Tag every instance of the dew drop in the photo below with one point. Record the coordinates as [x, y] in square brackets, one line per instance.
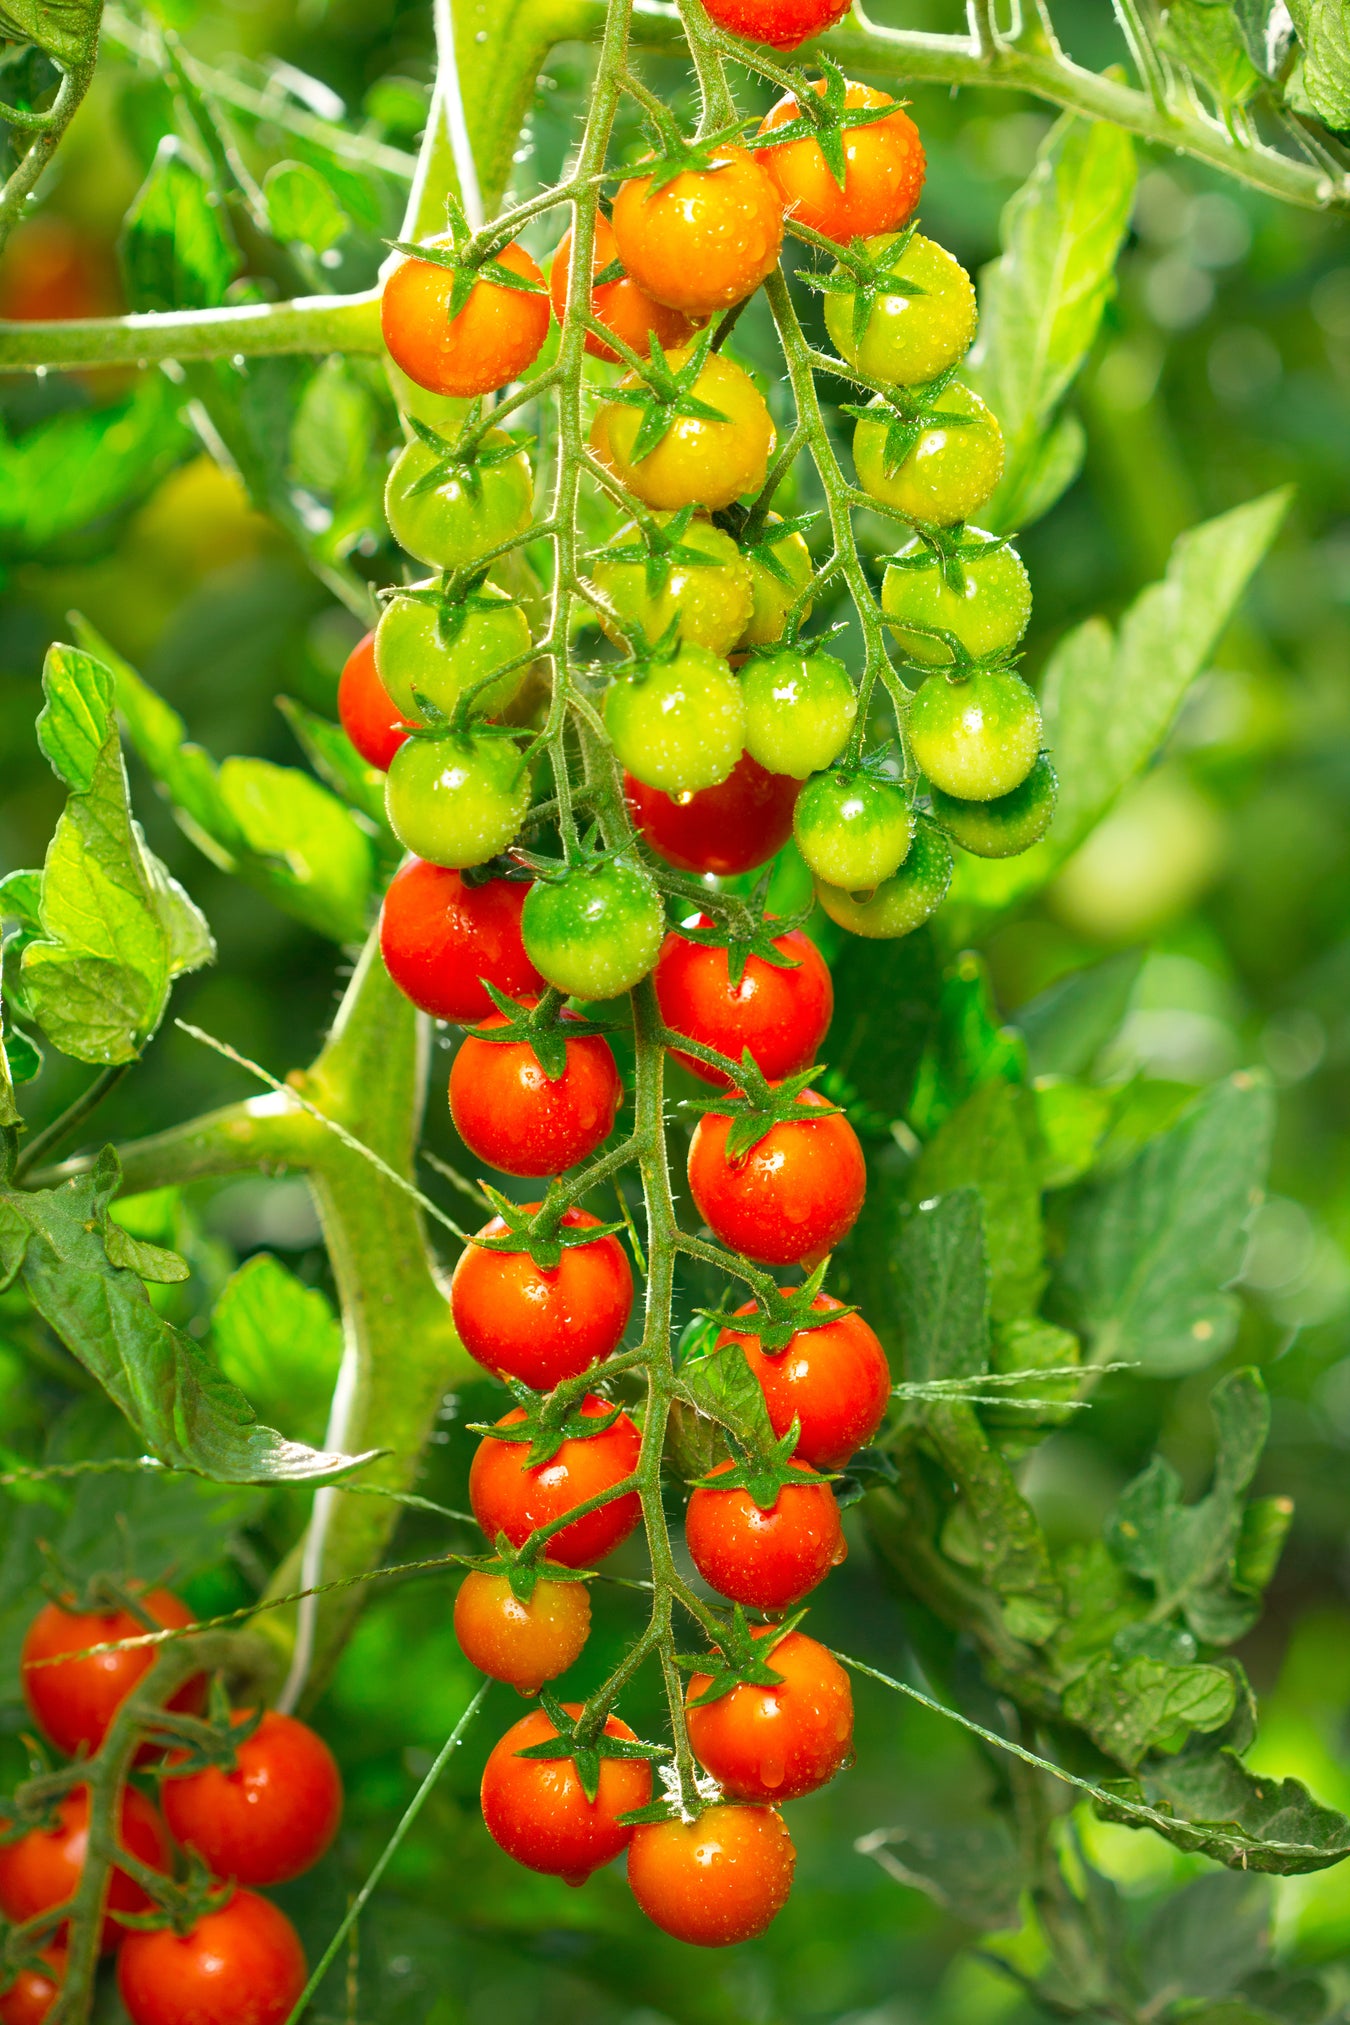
[771, 1772]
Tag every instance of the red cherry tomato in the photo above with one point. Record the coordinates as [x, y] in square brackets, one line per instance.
[31, 1995]
[523, 1644]
[834, 1381]
[243, 1965]
[540, 1324]
[42, 1869]
[741, 823]
[619, 305]
[780, 23]
[370, 717]
[765, 1560]
[781, 1015]
[776, 1743]
[494, 338]
[440, 937]
[883, 171]
[792, 1197]
[508, 1497]
[269, 1819]
[74, 1702]
[508, 1112]
[536, 1808]
[714, 1881]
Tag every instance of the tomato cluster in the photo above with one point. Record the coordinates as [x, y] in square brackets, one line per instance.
[249, 1811]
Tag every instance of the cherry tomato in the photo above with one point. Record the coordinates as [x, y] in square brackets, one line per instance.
[31, 1995]
[677, 725]
[883, 170]
[440, 938]
[780, 23]
[834, 1381]
[988, 614]
[457, 798]
[697, 462]
[621, 306]
[455, 522]
[42, 1869]
[55, 270]
[370, 717]
[730, 828]
[799, 709]
[704, 240]
[908, 339]
[508, 1112]
[242, 1965]
[853, 829]
[523, 1644]
[542, 1324]
[74, 1703]
[1007, 825]
[978, 735]
[904, 901]
[413, 653]
[710, 602]
[536, 1808]
[947, 475]
[597, 930]
[508, 1497]
[494, 338]
[780, 1014]
[775, 590]
[792, 1197]
[714, 1881]
[765, 1560]
[271, 1818]
[776, 1743]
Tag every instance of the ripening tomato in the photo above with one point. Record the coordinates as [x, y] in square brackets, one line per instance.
[883, 170]
[799, 709]
[494, 338]
[42, 1869]
[741, 823]
[508, 1112]
[240, 1965]
[976, 736]
[509, 1497]
[621, 306]
[1010, 823]
[780, 1013]
[948, 474]
[853, 828]
[74, 1702]
[780, 23]
[697, 462]
[440, 938]
[677, 724]
[765, 1560]
[776, 1743]
[461, 515]
[792, 1197]
[370, 717]
[422, 651]
[775, 585]
[903, 902]
[709, 601]
[523, 1644]
[457, 798]
[907, 339]
[595, 931]
[988, 614]
[834, 1381]
[714, 1881]
[542, 1324]
[31, 1995]
[536, 1808]
[704, 240]
[272, 1817]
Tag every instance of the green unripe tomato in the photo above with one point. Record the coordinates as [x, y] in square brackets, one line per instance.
[1007, 825]
[411, 652]
[799, 710]
[595, 932]
[853, 829]
[988, 615]
[457, 799]
[451, 525]
[771, 598]
[909, 339]
[948, 474]
[677, 725]
[711, 602]
[902, 903]
[976, 736]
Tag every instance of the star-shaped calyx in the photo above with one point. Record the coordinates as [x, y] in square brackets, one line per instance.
[758, 1105]
[740, 1659]
[951, 547]
[825, 117]
[454, 598]
[676, 153]
[660, 549]
[584, 1739]
[666, 394]
[780, 1313]
[544, 1235]
[867, 277]
[465, 458]
[524, 1567]
[550, 1419]
[765, 1471]
[905, 413]
[543, 1027]
[469, 257]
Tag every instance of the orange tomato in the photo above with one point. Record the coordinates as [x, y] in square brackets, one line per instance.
[706, 239]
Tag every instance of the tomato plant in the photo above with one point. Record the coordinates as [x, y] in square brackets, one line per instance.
[523, 1641]
[369, 715]
[774, 1740]
[832, 1381]
[778, 1007]
[715, 1881]
[470, 349]
[703, 238]
[513, 1496]
[512, 1112]
[74, 1700]
[625, 310]
[539, 1811]
[444, 941]
[883, 165]
[41, 1869]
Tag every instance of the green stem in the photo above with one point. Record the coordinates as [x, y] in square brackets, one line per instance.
[23, 179]
[74, 1115]
[315, 323]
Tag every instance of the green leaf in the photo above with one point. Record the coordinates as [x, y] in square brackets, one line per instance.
[1244, 1819]
[1071, 1119]
[1325, 80]
[1129, 1708]
[975, 1874]
[1029, 1344]
[1069, 1024]
[1208, 1938]
[83, 464]
[1207, 40]
[1151, 1252]
[66, 29]
[176, 248]
[997, 1531]
[149, 1262]
[722, 1386]
[990, 1144]
[885, 998]
[302, 208]
[972, 1046]
[941, 1285]
[333, 756]
[333, 444]
[279, 1342]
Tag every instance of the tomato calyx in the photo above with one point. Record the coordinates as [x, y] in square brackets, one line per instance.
[659, 551]
[864, 276]
[780, 1313]
[824, 117]
[584, 1739]
[176, 1904]
[759, 1105]
[202, 1741]
[764, 1471]
[551, 1418]
[467, 457]
[742, 1658]
[745, 934]
[912, 410]
[468, 260]
[539, 1024]
[523, 1568]
[666, 394]
[679, 153]
[951, 548]
[544, 1235]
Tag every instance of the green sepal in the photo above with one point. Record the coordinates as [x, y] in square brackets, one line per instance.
[825, 117]
[869, 1469]
[680, 155]
[741, 942]
[767, 1474]
[911, 411]
[551, 1418]
[866, 277]
[783, 1314]
[588, 1755]
[741, 1660]
[178, 1906]
[763, 1105]
[544, 1236]
[199, 1741]
[659, 548]
[465, 458]
[665, 395]
[540, 1027]
[524, 1567]
[762, 547]
[953, 547]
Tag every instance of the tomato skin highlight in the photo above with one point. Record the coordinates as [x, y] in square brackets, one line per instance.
[795, 1194]
[853, 829]
[507, 1497]
[704, 240]
[782, 24]
[948, 475]
[369, 715]
[776, 1743]
[621, 305]
[539, 1325]
[270, 1819]
[74, 1703]
[42, 1869]
[536, 1810]
[834, 1381]
[884, 170]
[781, 1015]
[457, 798]
[799, 709]
[495, 337]
[741, 823]
[31, 1995]
[440, 938]
[508, 1112]
[712, 602]
[714, 1881]
[988, 615]
[523, 1644]
[765, 1560]
[242, 1965]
